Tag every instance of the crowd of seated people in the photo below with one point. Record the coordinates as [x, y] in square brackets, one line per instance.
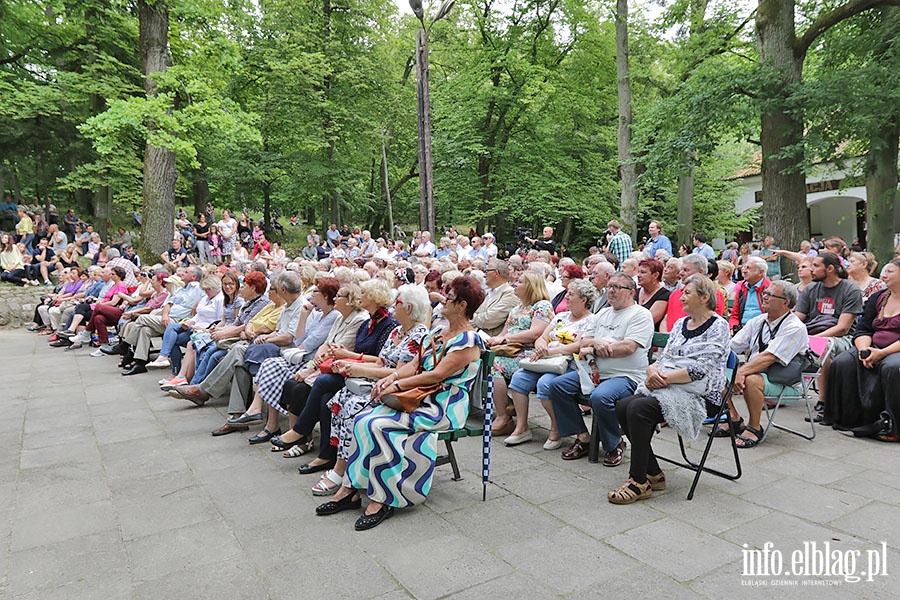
[343, 338]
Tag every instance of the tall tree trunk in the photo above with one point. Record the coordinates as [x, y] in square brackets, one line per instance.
[17, 187]
[201, 189]
[685, 226]
[331, 192]
[627, 173]
[159, 163]
[783, 177]
[102, 203]
[881, 189]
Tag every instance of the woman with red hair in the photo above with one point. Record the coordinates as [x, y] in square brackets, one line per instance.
[567, 275]
[650, 292]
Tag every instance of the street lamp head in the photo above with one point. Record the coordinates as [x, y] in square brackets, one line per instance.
[446, 7]
[416, 6]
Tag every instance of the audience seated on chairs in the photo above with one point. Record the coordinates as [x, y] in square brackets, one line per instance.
[618, 342]
[177, 306]
[651, 294]
[392, 453]
[413, 311]
[369, 338]
[776, 342]
[689, 372]
[864, 381]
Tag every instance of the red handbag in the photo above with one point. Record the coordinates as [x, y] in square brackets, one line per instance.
[325, 365]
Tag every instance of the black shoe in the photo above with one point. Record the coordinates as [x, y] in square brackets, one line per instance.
[264, 436]
[120, 348]
[60, 343]
[370, 521]
[335, 506]
[281, 444]
[311, 468]
[134, 370]
[245, 419]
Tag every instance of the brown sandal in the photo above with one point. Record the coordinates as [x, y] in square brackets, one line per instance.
[630, 491]
[578, 450]
[657, 482]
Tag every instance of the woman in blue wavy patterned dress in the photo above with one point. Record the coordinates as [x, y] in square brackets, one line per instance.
[393, 453]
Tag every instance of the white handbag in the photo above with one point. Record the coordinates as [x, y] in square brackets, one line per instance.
[557, 364]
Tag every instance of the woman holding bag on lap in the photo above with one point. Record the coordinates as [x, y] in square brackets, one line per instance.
[392, 452]
[559, 341]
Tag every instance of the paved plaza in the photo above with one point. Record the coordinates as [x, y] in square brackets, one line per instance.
[110, 489]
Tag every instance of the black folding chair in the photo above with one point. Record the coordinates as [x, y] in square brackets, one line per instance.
[700, 467]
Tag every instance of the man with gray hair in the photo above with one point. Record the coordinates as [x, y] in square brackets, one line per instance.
[499, 302]
[177, 307]
[748, 294]
[691, 264]
[114, 259]
[600, 274]
[671, 276]
[775, 338]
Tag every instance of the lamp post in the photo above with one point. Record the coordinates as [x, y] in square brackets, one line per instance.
[426, 176]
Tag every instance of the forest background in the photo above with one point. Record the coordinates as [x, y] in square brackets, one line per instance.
[309, 106]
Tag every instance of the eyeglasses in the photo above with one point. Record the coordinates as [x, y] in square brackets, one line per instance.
[617, 287]
[144, 274]
[769, 294]
[486, 271]
[344, 296]
[398, 302]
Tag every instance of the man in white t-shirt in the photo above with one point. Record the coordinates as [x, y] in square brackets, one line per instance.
[489, 246]
[621, 336]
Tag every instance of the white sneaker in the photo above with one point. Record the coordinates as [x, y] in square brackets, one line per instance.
[97, 353]
[85, 337]
[160, 363]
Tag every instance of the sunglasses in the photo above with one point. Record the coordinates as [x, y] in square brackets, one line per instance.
[769, 294]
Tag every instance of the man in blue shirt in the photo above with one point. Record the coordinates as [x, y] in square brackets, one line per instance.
[657, 240]
[773, 260]
[702, 248]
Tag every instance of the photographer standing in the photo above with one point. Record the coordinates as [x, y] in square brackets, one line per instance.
[546, 243]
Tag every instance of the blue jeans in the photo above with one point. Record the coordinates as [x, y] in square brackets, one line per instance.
[207, 359]
[174, 336]
[525, 382]
[28, 240]
[564, 394]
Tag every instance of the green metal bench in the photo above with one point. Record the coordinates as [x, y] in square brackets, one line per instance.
[480, 389]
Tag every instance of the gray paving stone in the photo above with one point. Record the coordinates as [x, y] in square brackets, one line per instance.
[641, 581]
[565, 560]
[142, 457]
[188, 549]
[353, 568]
[878, 485]
[787, 497]
[662, 544]
[89, 559]
[38, 529]
[875, 522]
[542, 484]
[225, 579]
[57, 437]
[439, 566]
[514, 585]
[503, 520]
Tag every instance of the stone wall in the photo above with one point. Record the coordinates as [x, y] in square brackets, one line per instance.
[17, 304]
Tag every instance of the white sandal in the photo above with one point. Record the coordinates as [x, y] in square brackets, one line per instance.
[298, 450]
[322, 488]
